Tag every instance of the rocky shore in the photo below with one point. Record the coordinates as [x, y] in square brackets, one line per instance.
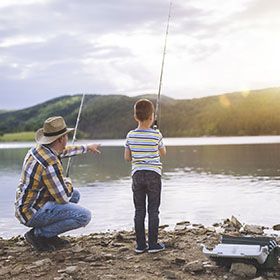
[112, 256]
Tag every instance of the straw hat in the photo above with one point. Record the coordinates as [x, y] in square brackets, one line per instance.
[52, 129]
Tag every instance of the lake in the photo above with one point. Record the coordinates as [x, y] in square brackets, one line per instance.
[204, 181]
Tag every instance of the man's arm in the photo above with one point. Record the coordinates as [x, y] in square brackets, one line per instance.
[70, 151]
[59, 187]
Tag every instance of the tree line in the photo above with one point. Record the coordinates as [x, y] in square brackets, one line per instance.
[111, 116]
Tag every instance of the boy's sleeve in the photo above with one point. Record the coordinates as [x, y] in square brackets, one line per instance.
[126, 144]
[160, 143]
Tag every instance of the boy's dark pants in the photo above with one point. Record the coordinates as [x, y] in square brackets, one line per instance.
[146, 184]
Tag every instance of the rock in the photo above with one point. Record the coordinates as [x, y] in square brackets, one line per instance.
[43, 262]
[198, 225]
[226, 221]
[195, 266]
[77, 249]
[235, 223]
[202, 231]
[108, 256]
[16, 250]
[118, 236]
[220, 230]
[116, 244]
[216, 225]
[4, 271]
[276, 227]
[243, 270]
[72, 269]
[169, 243]
[21, 243]
[253, 229]
[10, 258]
[180, 227]
[183, 223]
[170, 274]
[179, 261]
[163, 226]
[69, 269]
[211, 229]
[17, 269]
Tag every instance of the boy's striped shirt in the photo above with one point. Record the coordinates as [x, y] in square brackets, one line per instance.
[144, 145]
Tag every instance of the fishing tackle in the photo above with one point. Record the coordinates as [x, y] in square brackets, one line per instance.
[74, 136]
[155, 125]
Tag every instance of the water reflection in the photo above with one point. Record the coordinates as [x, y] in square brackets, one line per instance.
[238, 160]
[260, 160]
[200, 183]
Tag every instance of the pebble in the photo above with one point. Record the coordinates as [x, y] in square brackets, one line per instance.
[194, 266]
[243, 270]
[43, 262]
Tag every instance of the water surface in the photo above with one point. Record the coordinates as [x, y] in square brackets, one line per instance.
[204, 181]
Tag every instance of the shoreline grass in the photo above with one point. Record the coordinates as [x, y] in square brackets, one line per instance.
[26, 136]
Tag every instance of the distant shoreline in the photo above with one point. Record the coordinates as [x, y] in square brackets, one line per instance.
[169, 141]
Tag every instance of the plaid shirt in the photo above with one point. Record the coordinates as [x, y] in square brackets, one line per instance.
[42, 180]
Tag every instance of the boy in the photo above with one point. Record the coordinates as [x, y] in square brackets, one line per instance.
[143, 147]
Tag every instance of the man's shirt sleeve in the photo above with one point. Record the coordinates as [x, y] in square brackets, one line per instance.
[70, 151]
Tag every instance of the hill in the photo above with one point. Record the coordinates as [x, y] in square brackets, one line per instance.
[111, 116]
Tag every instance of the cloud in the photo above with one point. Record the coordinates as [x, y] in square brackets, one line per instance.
[54, 47]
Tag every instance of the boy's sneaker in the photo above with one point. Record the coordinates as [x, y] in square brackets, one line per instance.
[157, 248]
[141, 249]
[38, 242]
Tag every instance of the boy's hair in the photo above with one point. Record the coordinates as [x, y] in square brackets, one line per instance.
[143, 108]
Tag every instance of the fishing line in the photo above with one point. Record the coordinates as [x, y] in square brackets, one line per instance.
[155, 126]
[74, 136]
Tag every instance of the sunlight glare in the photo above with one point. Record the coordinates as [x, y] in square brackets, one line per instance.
[224, 101]
[245, 93]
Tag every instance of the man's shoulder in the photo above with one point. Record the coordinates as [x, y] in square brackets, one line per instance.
[44, 156]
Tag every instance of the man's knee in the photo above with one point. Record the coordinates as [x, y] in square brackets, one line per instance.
[75, 197]
[84, 217]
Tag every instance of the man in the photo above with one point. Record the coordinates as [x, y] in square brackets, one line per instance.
[45, 200]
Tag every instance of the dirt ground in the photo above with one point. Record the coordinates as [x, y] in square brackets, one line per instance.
[112, 256]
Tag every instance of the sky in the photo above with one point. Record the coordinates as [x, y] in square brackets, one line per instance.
[50, 48]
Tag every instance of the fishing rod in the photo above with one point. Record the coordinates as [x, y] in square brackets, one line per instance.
[74, 136]
[155, 126]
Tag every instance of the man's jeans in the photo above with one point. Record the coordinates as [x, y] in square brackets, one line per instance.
[53, 218]
[146, 184]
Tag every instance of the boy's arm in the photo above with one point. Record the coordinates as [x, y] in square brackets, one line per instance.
[162, 151]
[127, 155]
[161, 147]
